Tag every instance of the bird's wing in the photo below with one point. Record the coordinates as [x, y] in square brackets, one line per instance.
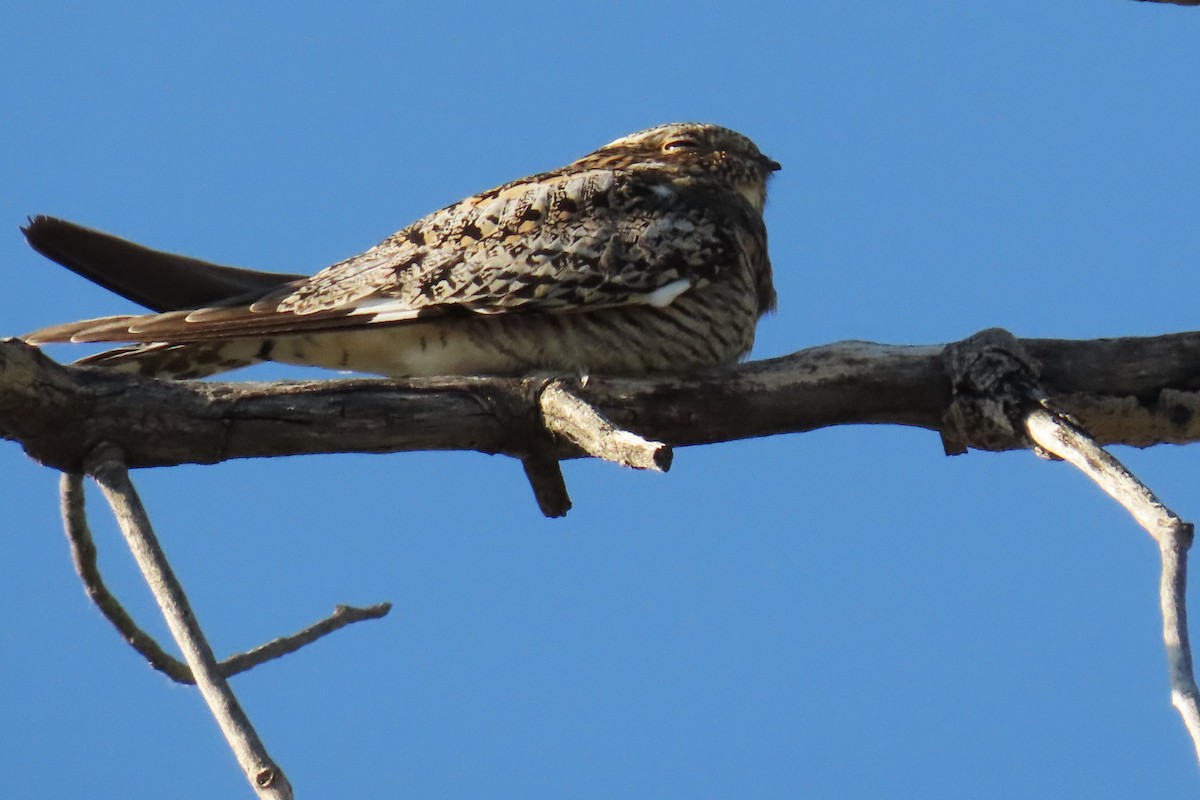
[554, 243]
[152, 278]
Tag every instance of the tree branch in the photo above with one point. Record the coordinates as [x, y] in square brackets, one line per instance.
[1137, 391]
[997, 397]
[990, 391]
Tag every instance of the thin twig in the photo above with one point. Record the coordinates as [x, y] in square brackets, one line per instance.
[83, 553]
[342, 616]
[107, 467]
[1058, 436]
[580, 423]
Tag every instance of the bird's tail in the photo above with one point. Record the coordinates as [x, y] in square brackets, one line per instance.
[160, 281]
[178, 361]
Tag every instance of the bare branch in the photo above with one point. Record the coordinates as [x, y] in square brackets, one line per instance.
[1056, 435]
[268, 780]
[581, 424]
[1138, 391]
[997, 397]
[1059, 437]
[990, 391]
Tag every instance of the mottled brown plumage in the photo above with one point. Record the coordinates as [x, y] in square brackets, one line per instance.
[647, 256]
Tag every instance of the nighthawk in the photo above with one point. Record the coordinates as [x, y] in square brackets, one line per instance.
[648, 255]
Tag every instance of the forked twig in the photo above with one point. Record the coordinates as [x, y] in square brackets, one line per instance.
[83, 554]
[1058, 436]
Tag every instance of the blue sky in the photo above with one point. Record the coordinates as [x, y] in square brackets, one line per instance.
[846, 613]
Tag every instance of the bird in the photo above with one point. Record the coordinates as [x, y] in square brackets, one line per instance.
[647, 256]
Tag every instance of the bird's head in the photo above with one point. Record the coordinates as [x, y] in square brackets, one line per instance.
[693, 148]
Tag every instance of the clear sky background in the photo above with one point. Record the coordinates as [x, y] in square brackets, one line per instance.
[846, 613]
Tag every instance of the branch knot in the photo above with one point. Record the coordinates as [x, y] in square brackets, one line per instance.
[994, 383]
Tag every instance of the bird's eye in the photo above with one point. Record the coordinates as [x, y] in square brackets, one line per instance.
[682, 143]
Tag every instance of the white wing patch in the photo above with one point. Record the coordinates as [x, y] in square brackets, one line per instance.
[663, 296]
[385, 309]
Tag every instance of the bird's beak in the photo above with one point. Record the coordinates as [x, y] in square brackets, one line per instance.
[771, 165]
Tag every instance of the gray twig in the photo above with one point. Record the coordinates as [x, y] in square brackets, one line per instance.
[83, 554]
[107, 467]
[342, 616]
[1058, 436]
